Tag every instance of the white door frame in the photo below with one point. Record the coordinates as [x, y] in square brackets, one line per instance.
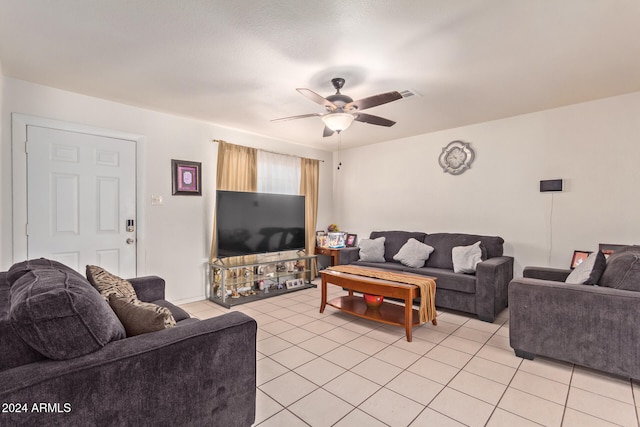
[19, 123]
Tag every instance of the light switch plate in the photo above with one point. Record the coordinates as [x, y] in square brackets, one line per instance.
[156, 200]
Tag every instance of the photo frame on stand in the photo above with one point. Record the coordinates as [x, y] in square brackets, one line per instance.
[352, 240]
[578, 258]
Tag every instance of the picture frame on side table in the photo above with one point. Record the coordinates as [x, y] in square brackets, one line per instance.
[607, 249]
[578, 258]
[352, 240]
[186, 178]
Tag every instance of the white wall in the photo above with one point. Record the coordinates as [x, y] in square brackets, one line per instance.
[177, 235]
[594, 147]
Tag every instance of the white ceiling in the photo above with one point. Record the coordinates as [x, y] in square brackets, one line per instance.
[238, 63]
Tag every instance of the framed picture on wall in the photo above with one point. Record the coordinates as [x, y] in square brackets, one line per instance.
[186, 178]
[578, 258]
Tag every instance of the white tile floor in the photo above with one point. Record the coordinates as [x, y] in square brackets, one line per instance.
[333, 369]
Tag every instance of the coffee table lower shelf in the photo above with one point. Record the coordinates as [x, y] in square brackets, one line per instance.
[389, 313]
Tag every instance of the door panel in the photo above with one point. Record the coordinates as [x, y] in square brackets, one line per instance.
[81, 190]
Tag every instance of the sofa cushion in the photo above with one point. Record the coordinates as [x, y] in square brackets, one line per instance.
[622, 271]
[465, 258]
[141, 317]
[108, 284]
[589, 271]
[447, 279]
[394, 240]
[19, 269]
[372, 250]
[60, 315]
[413, 253]
[445, 242]
[393, 266]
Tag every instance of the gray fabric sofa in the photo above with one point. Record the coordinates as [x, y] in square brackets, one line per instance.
[592, 326]
[198, 373]
[483, 293]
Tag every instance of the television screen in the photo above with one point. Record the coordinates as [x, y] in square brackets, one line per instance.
[249, 223]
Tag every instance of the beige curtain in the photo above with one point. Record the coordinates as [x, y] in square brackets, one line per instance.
[237, 171]
[309, 176]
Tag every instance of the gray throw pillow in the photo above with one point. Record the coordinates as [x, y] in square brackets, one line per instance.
[465, 258]
[588, 272]
[413, 253]
[622, 271]
[372, 250]
[60, 315]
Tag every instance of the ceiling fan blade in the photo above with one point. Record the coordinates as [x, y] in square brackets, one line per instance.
[374, 120]
[302, 116]
[373, 101]
[318, 99]
[327, 132]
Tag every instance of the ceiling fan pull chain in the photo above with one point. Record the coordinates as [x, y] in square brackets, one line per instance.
[339, 150]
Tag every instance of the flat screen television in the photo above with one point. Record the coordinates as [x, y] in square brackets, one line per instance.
[250, 223]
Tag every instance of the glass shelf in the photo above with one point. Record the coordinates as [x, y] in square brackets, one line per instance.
[238, 280]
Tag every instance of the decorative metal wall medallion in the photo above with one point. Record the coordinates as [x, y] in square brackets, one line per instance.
[456, 157]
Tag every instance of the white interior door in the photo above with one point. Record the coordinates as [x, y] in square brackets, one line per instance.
[81, 193]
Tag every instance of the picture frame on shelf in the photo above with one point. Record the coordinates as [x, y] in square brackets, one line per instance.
[186, 178]
[294, 283]
[579, 257]
[352, 240]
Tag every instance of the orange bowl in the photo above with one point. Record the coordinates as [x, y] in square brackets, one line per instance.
[373, 301]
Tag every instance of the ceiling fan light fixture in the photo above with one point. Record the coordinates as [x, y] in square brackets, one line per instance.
[338, 122]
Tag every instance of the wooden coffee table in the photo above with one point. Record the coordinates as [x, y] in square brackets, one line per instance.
[389, 313]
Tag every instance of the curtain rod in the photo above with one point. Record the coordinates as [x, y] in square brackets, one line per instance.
[272, 152]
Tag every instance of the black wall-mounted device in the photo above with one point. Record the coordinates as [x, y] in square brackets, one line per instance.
[550, 185]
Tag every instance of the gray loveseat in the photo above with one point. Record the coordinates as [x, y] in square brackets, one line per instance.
[198, 373]
[483, 293]
[592, 326]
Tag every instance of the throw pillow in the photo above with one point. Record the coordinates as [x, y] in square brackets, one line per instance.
[60, 315]
[465, 258]
[588, 272]
[141, 317]
[108, 284]
[622, 271]
[372, 250]
[413, 253]
[19, 269]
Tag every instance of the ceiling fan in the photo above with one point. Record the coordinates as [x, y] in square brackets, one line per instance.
[342, 110]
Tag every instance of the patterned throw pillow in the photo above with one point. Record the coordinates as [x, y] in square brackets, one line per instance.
[141, 317]
[109, 284]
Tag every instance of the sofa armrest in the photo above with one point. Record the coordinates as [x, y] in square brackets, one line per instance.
[202, 373]
[591, 326]
[148, 288]
[349, 255]
[492, 282]
[546, 273]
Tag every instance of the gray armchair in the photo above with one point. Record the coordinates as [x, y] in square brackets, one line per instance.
[592, 326]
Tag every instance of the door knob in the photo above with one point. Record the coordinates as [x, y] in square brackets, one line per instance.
[130, 241]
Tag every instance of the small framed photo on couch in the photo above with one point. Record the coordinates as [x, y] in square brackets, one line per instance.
[578, 258]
